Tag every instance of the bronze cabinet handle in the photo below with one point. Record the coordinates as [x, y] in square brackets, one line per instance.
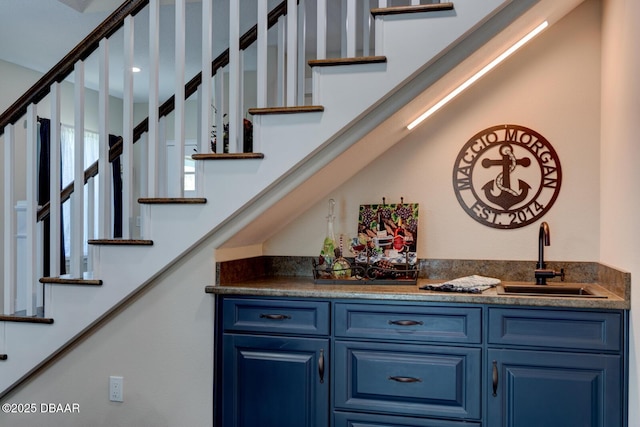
[405, 379]
[321, 366]
[405, 322]
[494, 377]
[275, 316]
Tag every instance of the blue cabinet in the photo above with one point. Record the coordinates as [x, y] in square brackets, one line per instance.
[407, 360]
[298, 362]
[555, 368]
[545, 388]
[274, 363]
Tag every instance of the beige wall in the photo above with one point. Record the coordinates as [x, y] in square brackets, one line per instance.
[552, 86]
[620, 155]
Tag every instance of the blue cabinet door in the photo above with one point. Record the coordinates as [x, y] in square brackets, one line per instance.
[553, 389]
[275, 381]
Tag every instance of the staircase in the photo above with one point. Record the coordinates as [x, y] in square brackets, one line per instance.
[405, 51]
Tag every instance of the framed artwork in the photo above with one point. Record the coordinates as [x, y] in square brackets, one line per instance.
[388, 232]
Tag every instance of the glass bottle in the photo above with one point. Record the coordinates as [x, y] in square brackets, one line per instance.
[327, 253]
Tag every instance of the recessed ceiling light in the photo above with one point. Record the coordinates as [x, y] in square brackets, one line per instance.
[135, 69]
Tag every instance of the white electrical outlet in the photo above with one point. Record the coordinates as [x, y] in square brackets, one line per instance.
[115, 389]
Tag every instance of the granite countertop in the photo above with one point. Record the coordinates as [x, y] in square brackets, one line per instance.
[304, 287]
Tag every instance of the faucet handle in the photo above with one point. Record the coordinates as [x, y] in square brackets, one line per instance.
[545, 274]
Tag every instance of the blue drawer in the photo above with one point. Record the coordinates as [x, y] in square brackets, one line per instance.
[421, 323]
[276, 316]
[566, 329]
[407, 379]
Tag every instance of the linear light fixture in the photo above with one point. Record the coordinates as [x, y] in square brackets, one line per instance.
[478, 75]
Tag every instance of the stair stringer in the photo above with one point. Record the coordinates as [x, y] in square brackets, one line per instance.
[237, 191]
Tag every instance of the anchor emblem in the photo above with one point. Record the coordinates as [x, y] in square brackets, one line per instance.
[507, 197]
[501, 154]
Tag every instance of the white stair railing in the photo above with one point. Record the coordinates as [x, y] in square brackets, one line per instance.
[224, 92]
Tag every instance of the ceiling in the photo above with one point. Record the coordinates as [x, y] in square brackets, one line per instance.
[29, 25]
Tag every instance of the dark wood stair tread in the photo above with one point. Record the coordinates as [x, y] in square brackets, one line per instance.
[397, 10]
[67, 280]
[227, 156]
[120, 242]
[172, 200]
[286, 110]
[331, 62]
[25, 319]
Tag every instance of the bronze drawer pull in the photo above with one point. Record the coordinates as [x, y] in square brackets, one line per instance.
[275, 316]
[406, 322]
[405, 379]
[321, 366]
[494, 377]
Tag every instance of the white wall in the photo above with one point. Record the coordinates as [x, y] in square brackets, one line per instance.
[620, 154]
[161, 343]
[552, 86]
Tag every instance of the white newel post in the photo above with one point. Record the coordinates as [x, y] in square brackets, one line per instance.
[176, 188]
[55, 234]
[302, 63]
[262, 46]
[9, 292]
[77, 205]
[219, 109]
[152, 135]
[321, 31]
[280, 76]
[205, 86]
[161, 147]
[20, 302]
[351, 28]
[292, 51]
[366, 29]
[127, 129]
[91, 220]
[33, 256]
[234, 75]
[104, 167]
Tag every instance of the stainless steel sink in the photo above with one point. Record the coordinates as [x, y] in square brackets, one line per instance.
[571, 291]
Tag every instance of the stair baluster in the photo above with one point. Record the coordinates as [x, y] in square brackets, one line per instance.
[9, 265]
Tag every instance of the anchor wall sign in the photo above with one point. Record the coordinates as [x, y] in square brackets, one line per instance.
[507, 176]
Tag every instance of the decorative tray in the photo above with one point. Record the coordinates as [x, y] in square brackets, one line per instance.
[384, 249]
[357, 273]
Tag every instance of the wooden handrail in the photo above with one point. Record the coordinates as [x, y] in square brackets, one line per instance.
[58, 73]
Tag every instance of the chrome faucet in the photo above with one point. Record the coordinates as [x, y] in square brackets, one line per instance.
[541, 273]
